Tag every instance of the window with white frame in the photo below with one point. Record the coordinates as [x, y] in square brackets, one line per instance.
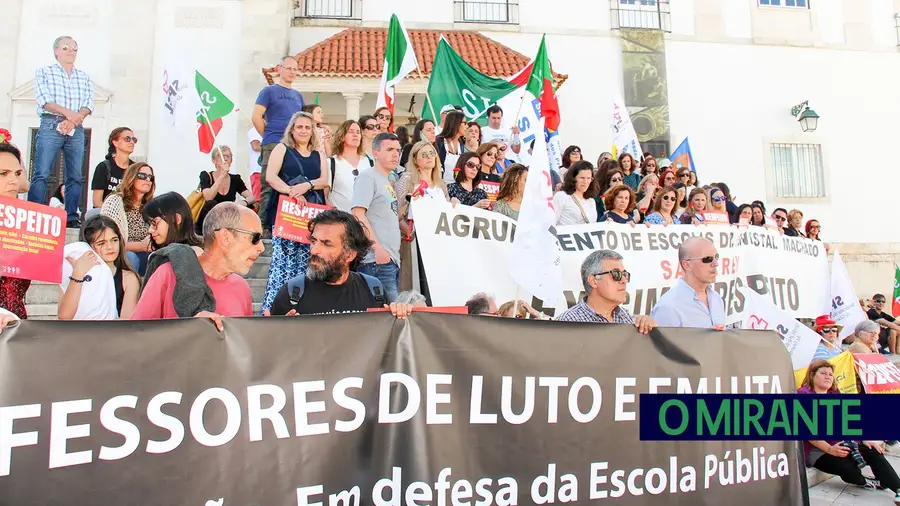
[798, 170]
[802, 4]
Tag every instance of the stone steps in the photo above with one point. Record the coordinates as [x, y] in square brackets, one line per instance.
[42, 298]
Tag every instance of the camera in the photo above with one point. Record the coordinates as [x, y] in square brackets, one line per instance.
[854, 453]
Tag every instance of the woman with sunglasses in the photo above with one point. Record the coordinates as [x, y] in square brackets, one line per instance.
[424, 131]
[610, 176]
[98, 283]
[169, 221]
[570, 156]
[422, 174]
[348, 160]
[109, 173]
[369, 127]
[450, 144]
[718, 201]
[684, 176]
[698, 203]
[830, 345]
[385, 119]
[473, 136]
[512, 188]
[487, 155]
[619, 201]
[299, 171]
[667, 177]
[126, 208]
[573, 204]
[834, 457]
[221, 185]
[465, 188]
[663, 207]
[630, 170]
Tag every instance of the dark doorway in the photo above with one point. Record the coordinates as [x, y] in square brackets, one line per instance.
[57, 171]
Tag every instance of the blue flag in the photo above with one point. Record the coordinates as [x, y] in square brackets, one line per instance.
[682, 157]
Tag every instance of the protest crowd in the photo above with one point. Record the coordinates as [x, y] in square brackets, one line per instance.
[143, 256]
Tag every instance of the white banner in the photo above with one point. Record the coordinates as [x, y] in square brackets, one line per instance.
[464, 250]
[844, 307]
[624, 136]
[800, 341]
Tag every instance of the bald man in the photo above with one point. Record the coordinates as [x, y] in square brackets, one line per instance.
[693, 302]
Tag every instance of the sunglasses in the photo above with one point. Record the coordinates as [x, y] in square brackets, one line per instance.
[255, 237]
[383, 116]
[616, 180]
[575, 152]
[502, 148]
[668, 198]
[66, 47]
[706, 260]
[143, 176]
[780, 218]
[616, 274]
[718, 199]
[473, 165]
[129, 138]
[371, 126]
[878, 301]
[829, 329]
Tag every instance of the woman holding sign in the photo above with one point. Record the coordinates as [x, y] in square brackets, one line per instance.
[12, 290]
[296, 170]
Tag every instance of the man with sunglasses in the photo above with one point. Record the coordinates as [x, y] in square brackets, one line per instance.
[65, 97]
[780, 216]
[693, 302]
[830, 345]
[605, 282]
[887, 339]
[211, 285]
[275, 105]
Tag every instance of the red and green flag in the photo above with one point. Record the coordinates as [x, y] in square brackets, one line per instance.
[214, 106]
[540, 86]
[399, 61]
[895, 305]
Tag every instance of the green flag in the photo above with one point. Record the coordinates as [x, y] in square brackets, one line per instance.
[895, 305]
[215, 106]
[455, 82]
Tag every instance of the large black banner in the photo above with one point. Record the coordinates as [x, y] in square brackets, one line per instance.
[365, 409]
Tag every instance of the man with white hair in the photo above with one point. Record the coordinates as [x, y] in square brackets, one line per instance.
[65, 97]
[181, 284]
[693, 302]
[605, 282]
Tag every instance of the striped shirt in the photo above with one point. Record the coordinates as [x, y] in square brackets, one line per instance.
[53, 85]
[581, 312]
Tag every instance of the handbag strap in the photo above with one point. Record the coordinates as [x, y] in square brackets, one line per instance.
[580, 208]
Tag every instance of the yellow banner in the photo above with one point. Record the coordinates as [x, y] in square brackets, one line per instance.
[844, 373]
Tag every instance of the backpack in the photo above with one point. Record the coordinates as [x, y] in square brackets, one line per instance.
[331, 166]
[297, 285]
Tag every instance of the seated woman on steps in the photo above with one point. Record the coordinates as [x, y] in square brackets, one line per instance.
[169, 221]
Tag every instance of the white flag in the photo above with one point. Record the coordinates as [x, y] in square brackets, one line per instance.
[534, 262]
[179, 99]
[761, 314]
[845, 308]
[624, 137]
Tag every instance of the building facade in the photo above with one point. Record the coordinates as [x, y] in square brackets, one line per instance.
[726, 73]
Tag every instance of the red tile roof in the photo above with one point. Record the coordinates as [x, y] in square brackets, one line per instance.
[359, 52]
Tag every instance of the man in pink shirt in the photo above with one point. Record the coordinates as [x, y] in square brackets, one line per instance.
[232, 241]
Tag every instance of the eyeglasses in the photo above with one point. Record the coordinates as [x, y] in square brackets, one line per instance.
[473, 165]
[616, 274]
[428, 155]
[706, 260]
[255, 237]
[383, 116]
[143, 176]
[828, 330]
[371, 126]
[129, 138]
[66, 47]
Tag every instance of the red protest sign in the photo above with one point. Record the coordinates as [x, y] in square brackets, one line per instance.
[32, 238]
[878, 374]
[492, 189]
[292, 219]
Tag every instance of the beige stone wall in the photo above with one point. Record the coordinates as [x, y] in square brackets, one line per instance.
[871, 266]
[9, 40]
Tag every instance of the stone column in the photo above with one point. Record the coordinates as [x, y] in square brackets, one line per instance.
[352, 101]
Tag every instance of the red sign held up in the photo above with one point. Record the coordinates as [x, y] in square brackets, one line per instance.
[878, 374]
[292, 219]
[32, 238]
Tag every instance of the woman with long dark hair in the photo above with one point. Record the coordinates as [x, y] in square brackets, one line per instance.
[109, 173]
[465, 187]
[126, 208]
[169, 221]
[573, 203]
[423, 131]
[630, 169]
[570, 156]
[385, 119]
[450, 144]
[98, 283]
[12, 182]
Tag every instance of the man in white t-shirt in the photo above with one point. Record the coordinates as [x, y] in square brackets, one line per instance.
[255, 141]
[494, 132]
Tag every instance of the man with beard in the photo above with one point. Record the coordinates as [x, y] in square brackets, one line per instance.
[337, 244]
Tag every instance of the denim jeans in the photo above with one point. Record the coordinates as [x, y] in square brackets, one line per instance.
[388, 274]
[138, 261]
[48, 143]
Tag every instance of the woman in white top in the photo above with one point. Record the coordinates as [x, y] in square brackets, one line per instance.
[348, 160]
[450, 144]
[572, 204]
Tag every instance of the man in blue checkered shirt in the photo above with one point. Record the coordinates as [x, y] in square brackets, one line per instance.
[606, 284]
[65, 97]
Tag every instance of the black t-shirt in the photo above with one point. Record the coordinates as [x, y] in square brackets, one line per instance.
[107, 176]
[236, 186]
[352, 296]
[885, 333]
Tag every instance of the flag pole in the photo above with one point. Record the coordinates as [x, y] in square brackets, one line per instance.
[427, 96]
